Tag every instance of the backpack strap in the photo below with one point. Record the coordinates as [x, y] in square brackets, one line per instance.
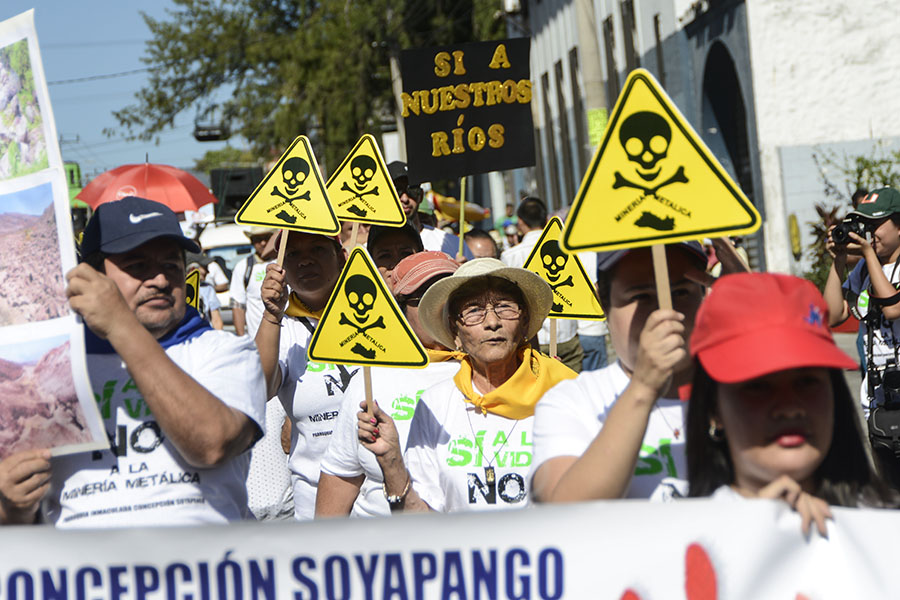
[250, 263]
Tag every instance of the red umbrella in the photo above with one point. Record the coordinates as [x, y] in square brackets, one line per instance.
[177, 189]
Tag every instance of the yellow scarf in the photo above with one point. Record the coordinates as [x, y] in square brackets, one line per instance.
[517, 396]
[296, 308]
[435, 356]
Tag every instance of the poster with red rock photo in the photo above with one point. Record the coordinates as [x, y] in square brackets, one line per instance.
[46, 399]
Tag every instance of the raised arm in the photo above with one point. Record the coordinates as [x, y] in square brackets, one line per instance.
[268, 336]
[605, 469]
[205, 430]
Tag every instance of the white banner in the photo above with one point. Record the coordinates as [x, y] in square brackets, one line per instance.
[691, 549]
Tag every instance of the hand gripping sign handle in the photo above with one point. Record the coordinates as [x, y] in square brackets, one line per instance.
[367, 380]
[661, 272]
[552, 338]
[354, 233]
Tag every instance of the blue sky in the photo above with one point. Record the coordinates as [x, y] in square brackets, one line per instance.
[30, 350]
[101, 37]
[31, 201]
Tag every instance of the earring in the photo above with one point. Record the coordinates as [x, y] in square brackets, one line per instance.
[716, 433]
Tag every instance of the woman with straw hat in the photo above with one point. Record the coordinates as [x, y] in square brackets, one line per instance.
[469, 444]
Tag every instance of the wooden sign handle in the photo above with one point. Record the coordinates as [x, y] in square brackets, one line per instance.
[354, 234]
[282, 246]
[462, 218]
[552, 338]
[367, 380]
[661, 273]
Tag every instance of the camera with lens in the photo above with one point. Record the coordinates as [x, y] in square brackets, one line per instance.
[840, 235]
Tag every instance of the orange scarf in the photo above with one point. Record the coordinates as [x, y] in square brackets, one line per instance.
[518, 395]
[296, 308]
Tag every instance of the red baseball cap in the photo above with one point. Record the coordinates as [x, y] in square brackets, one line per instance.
[416, 269]
[754, 324]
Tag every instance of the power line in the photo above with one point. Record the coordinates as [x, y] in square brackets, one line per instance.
[95, 77]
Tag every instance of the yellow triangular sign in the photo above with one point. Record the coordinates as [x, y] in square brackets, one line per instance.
[292, 195]
[573, 292]
[361, 189]
[192, 289]
[653, 180]
[362, 324]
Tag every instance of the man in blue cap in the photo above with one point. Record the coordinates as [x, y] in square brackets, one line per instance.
[181, 402]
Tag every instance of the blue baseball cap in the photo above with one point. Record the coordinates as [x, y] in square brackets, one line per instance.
[123, 225]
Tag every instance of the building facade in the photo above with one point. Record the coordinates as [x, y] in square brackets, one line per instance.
[769, 85]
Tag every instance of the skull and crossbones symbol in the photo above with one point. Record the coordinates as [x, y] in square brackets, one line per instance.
[645, 137]
[362, 170]
[294, 172]
[361, 293]
[554, 261]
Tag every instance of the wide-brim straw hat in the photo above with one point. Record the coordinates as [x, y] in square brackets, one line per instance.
[434, 307]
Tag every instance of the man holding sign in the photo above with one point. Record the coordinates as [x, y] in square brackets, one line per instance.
[619, 431]
[181, 402]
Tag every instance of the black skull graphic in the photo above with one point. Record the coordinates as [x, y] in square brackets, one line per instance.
[361, 294]
[553, 259]
[362, 169]
[294, 172]
[645, 136]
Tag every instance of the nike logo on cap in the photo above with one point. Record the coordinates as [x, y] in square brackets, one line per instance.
[135, 219]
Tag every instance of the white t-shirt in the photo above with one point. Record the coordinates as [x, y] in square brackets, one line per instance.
[270, 494]
[885, 338]
[571, 414]
[438, 240]
[397, 393]
[215, 275]
[311, 394]
[208, 300]
[451, 445]
[249, 297]
[587, 326]
[143, 480]
[516, 257]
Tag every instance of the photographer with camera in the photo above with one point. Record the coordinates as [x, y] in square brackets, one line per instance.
[869, 292]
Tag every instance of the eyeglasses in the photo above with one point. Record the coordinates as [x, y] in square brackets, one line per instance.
[475, 315]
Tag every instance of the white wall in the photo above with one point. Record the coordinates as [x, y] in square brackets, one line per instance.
[824, 71]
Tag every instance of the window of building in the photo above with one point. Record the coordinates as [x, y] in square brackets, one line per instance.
[584, 151]
[552, 165]
[568, 168]
[629, 33]
[612, 72]
[660, 62]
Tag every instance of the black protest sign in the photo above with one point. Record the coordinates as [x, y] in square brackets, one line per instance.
[467, 108]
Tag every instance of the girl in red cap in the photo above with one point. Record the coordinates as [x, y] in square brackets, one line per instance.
[770, 415]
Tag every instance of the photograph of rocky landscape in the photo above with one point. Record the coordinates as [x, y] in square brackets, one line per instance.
[32, 287]
[38, 405]
[23, 146]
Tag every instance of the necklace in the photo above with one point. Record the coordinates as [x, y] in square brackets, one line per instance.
[489, 473]
[676, 431]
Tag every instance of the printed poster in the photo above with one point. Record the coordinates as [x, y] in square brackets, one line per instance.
[45, 396]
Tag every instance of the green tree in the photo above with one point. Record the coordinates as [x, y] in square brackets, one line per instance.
[226, 157]
[841, 175]
[289, 66]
